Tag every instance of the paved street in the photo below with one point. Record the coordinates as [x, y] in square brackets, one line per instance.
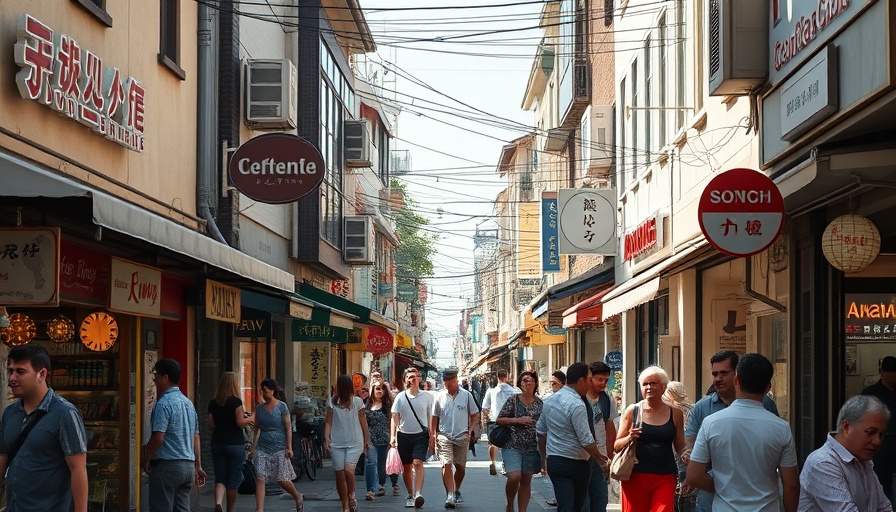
[481, 491]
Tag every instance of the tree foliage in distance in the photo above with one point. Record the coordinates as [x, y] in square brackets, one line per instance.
[413, 256]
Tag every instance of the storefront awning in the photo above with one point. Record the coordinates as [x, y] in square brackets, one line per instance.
[588, 311]
[303, 308]
[337, 303]
[643, 287]
[552, 299]
[538, 335]
[25, 179]
[476, 363]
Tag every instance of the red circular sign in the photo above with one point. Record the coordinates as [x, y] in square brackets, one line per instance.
[276, 168]
[379, 341]
[741, 212]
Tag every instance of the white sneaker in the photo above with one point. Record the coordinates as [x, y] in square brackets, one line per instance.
[458, 498]
[410, 502]
[449, 503]
[418, 501]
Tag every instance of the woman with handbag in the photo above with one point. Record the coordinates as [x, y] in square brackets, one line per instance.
[521, 456]
[379, 413]
[346, 436]
[658, 432]
[226, 420]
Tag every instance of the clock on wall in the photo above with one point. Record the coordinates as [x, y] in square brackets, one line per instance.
[99, 331]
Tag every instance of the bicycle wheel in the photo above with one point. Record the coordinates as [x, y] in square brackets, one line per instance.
[298, 460]
[317, 450]
[310, 466]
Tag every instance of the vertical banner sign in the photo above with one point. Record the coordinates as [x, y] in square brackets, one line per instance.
[29, 266]
[528, 250]
[587, 221]
[136, 289]
[316, 371]
[550, 248]
[730, 325]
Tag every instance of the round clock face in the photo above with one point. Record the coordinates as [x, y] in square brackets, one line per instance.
[99, 331]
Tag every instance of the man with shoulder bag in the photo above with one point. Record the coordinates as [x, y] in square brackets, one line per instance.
[491, 405]
[411, 412]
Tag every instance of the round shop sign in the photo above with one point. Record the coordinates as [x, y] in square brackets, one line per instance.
[276, 168]
[741, 212]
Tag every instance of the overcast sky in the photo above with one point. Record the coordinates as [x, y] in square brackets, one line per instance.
[461, 74]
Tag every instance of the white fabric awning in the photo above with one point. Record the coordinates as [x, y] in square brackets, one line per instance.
[644, 286]
[25, 179]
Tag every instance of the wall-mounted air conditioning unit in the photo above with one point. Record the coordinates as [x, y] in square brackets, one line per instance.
[358, 244]
[598, 150]
[738, 29]
[271, 94]
[358, 146]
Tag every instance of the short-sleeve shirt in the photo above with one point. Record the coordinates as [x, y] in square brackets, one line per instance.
[454, 414]
[345, 431]
[564, 422]
[711, 404]
[175, 416]
[39, 478]
[422, 404]
[746, 445]
[522, 438]
[495, 398]
[272, 438]
[378, 425]
[226, 431]
[600, 426]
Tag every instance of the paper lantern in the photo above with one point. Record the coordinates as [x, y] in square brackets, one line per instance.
[21, 330]
[850, 242]
[60, 329]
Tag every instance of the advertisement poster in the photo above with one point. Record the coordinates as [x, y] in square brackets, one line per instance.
[730, 325]
[316, 371]
[29, 266]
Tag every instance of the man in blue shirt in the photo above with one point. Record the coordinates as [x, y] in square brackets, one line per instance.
[171, 456]
[48, 470]
[722, 365]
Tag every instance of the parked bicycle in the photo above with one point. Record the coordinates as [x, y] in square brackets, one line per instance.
[308, 449]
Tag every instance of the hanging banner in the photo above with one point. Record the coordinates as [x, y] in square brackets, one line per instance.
[29, 266]
[550, 248]
[587, 221]
[528, 250]
[316, 370]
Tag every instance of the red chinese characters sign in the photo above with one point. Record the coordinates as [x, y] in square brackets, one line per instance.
[741, 212]
[58, 73]
[377, 340]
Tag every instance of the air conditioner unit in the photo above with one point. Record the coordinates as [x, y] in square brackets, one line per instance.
[598, 150]
[358, 146]
[271, 94]
[737, 28]
[358, 240]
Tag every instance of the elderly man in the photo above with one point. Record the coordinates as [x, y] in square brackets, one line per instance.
[839, 475]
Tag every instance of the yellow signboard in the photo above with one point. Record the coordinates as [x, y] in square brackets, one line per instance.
[528, 251]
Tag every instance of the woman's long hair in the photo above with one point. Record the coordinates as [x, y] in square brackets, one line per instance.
[345, 389]
[387, 395]
[226, 388]
[273, 386]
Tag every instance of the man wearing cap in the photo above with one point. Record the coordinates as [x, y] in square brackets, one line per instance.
[454, 419]
[885, 458]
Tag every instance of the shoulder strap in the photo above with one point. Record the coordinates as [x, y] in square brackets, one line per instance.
[23, 435]
[635, 414]
[603, 401]
[413, 411]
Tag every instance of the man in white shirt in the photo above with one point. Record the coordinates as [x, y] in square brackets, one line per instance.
[748, 448]
[839, 476]
[411, 413]
[491, 406]
[454, 419]
[605, 411]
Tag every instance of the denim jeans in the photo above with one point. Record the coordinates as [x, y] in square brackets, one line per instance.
[375, 468]
[597, 498]
[570, 478]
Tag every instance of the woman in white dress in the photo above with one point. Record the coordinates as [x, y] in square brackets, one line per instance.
[346, 436]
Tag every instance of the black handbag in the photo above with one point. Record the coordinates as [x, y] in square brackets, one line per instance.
[247, 486]
[500, 435]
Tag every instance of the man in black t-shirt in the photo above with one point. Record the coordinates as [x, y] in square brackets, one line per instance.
[885, 390]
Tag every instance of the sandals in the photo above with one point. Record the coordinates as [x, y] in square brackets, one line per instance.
[300, 503]
[352, 504]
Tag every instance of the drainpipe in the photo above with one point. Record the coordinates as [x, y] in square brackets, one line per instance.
[205, 132]
[748, 287]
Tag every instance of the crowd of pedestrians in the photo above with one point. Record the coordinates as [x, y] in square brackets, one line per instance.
[728, 452]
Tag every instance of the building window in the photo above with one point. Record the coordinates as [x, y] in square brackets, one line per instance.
[97, 8]
[648, 102]
[636, 134]
[169, 37]
[661, 78]
[336, 104]
[681, 65]
[623, 130]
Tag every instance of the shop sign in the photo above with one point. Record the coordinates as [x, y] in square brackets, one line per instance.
[58, 73]
[276, 168]
[29, 266]
[407, 292]
[83, 275]
[136, 289]
[316, 370]
[587, 221]
[550, 237]
[730, 325]
[802, 27]
[386, 289]
[422, 293]
[402, 340]
[339, 287]
[811, 95]
[253, 324]
[614, 360]
[643, 239]
[309, 331]
[222, 302]
[377, 340]
[870, 317]
[741, 212]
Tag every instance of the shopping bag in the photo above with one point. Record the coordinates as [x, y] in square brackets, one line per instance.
[393, 462]
[247, 486]
[623, 462]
